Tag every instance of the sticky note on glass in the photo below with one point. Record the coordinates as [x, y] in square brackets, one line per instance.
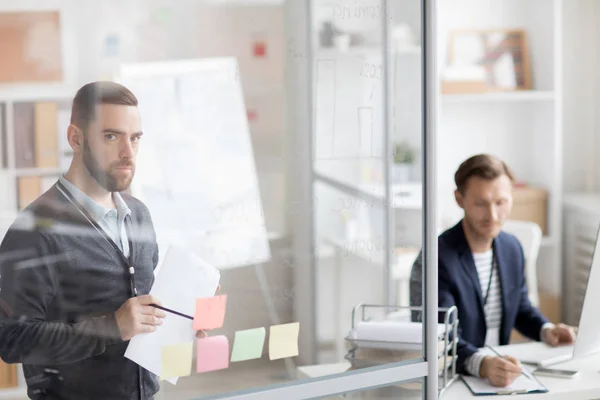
[212, 353]
[248, 344]
[176, 360]
[210, 312]
[283, 340]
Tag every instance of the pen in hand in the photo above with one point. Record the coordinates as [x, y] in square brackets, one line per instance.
[501, 356]
[172, 311]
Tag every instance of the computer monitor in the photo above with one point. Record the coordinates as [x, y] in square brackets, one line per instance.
[588, 334]
[587, 341]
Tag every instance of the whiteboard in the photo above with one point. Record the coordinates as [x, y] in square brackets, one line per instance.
[195, 168]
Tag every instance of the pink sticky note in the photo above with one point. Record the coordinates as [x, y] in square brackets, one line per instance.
[210, 312]
[213, 353]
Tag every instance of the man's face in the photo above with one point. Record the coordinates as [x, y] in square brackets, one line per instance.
[110, 145]
[487, 204]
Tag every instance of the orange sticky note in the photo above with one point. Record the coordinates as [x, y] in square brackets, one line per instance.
[212, 353]
[210, 312]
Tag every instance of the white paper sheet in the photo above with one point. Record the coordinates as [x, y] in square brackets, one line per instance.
[522, 384]
[482, 386]
[183, 277]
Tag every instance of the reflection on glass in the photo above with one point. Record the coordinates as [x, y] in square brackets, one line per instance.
[403, 390]
[353, 87]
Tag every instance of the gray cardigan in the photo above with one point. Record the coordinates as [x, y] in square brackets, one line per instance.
[60, 284]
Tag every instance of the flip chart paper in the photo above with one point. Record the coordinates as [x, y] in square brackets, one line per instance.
[182, 279]
[283, 341]
[248, 344]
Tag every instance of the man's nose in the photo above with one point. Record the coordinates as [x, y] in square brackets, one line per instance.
[494, 212]
[126, 149]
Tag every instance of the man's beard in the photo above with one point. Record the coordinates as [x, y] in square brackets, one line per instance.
[105, 177]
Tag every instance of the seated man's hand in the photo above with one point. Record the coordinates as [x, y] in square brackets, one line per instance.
[500, 371]
[560, 334]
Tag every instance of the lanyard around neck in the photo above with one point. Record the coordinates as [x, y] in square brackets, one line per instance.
[489, 285]
[128, 260]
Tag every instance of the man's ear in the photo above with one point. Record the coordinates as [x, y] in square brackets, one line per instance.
[75, 138]
[459, 198]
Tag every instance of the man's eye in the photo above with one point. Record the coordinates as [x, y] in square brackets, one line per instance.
[135, 139]
[110, 136]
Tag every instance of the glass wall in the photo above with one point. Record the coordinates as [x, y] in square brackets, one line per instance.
[366, 157]
[241, 224]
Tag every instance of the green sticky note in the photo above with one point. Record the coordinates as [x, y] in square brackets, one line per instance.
[283, 341]
[176, 360]
[162, 15]
[248, 344]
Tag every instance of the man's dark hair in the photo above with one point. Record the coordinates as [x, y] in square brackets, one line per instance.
[94, 93]
[484, 166]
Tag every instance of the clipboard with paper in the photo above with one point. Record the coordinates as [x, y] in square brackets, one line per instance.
[522, 385]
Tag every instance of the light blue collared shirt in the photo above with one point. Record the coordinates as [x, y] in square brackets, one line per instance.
[110, 219]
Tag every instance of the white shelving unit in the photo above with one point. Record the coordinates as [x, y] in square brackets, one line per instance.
[520, 96]
[62, 95]
[524, 128]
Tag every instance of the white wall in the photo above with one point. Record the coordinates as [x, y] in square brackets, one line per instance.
[581, 95]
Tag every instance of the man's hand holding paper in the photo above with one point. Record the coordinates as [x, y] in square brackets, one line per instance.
[137, 315]
[183, 278]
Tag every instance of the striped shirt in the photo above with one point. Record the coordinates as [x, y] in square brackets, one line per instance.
[493, 305]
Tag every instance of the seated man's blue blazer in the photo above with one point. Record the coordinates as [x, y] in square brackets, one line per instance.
[458, 285]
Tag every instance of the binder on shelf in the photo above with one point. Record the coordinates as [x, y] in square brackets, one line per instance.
[28, 189]
[3, 137]
[65, 152]
[24, 135]
[46, 138]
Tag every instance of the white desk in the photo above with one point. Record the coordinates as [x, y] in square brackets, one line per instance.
[585, 386]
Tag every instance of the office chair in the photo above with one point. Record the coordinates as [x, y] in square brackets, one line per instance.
[529, 235]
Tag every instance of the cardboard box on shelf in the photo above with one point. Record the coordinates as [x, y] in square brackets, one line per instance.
[463, 87]
[8, 375]
[530, 204]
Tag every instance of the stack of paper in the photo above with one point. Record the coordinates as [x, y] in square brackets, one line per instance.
[393, 331]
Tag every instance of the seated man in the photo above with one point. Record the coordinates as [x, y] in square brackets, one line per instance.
[481, 271]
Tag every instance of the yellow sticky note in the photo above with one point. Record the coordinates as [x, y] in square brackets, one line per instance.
[283, 341]
[176, 360]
